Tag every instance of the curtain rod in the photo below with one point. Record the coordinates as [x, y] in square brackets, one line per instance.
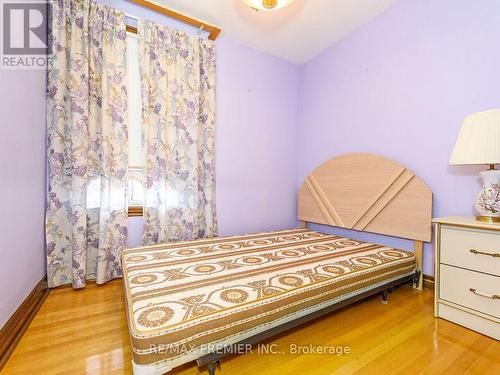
[213, 30]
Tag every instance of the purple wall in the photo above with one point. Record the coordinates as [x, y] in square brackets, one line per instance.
[257, 122]
[400, 87]
[22, 187]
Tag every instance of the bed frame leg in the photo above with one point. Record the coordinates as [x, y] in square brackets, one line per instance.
[384, 296]
[212, 365]
[418, 248]
[418, 281]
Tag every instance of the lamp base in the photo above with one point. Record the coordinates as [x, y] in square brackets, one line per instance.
[488, 201]
[488, 219]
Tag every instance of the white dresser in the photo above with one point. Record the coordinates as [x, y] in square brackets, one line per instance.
[467, 273]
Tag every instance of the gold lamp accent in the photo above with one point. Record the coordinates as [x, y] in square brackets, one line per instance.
[268, 4]
[479, 143]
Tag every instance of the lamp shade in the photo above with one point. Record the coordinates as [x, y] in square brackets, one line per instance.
[479, 139]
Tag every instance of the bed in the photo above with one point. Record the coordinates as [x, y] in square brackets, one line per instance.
[197, 300]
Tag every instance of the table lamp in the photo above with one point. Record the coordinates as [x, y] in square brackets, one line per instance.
[479, 143]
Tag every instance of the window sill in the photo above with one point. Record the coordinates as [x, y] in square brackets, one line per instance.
[134, 211]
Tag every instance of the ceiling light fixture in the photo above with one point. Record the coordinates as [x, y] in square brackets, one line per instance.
[268, 4]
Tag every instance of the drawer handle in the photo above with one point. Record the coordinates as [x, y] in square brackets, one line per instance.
[481, 294]
[494, 255]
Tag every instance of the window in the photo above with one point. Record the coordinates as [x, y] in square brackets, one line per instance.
[134, 98]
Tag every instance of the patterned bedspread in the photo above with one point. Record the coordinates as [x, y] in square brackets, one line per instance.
[185, 297]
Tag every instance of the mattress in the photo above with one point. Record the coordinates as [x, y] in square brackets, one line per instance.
[186, 299]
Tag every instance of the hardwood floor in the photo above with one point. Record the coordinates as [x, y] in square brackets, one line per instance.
[85, 332]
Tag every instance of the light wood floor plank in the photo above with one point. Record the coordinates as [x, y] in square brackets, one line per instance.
[85, 332]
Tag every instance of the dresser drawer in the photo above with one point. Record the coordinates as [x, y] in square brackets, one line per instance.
[455, 286]
[457, 243]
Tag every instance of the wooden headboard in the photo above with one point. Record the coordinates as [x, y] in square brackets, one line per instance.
[369, 193]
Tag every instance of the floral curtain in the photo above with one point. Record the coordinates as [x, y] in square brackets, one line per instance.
[178, 93]
[86, 220]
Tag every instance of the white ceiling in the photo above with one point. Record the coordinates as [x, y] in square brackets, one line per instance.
[296, 33]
